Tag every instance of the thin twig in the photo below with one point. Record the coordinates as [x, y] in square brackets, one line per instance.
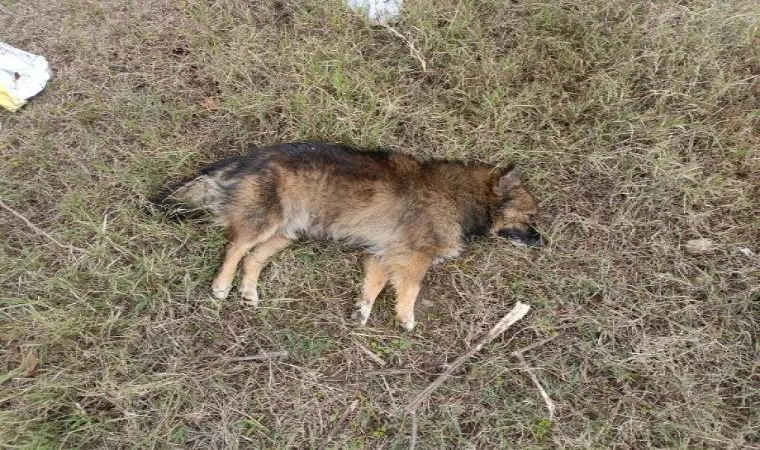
[550, 405]
[37, 230]
[530, 347]
[413, 437]
[339, 424]
[412, 49]
[378, 360]
[428, 369]
[517, 313]
[259, 357]
[394, 371]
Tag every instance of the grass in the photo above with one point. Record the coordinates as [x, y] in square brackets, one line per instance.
[638, 126]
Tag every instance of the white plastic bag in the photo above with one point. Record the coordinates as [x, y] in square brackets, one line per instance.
[22, 76]
[379, 12]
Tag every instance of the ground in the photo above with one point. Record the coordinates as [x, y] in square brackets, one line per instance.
[637, 124]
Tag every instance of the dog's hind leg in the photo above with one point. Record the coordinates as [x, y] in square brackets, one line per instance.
[241, 243]
[375, 279]
[254, 262]
[407, 276]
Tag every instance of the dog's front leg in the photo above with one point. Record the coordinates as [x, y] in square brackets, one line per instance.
[407, 276]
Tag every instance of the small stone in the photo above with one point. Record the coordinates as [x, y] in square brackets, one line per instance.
[699, 246]
[747, 252]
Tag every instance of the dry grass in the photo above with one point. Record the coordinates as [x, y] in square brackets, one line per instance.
[638, 124]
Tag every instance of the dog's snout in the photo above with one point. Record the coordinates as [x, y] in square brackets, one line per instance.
[531, 236]
[535, 238]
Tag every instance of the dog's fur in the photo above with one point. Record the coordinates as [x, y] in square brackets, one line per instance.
[408, 214]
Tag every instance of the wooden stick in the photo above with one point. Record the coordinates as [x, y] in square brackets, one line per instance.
[37, 230]
[413, 438]
[339, 424]
[517, 313]
[550, 405]
[431, 369]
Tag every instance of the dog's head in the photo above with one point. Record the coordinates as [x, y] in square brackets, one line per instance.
[513, 217]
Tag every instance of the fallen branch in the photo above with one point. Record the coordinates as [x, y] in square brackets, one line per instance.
[339, 424]
[413, 438]
[517, 313]
[550, 405]
[37, 230]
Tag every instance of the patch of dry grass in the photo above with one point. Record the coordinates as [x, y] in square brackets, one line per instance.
[638, 126]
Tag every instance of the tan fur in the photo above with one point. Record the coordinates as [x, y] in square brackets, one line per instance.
[408, 214]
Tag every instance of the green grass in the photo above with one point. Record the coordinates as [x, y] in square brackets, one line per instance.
[638, 127]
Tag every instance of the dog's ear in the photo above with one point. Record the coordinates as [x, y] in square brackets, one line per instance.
[509, 179]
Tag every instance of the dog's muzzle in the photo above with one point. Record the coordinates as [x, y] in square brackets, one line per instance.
[530, 237]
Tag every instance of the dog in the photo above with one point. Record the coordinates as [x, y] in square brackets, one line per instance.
[408, 214]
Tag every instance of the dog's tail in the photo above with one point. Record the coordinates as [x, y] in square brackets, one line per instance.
[188, 199]
[193, 198]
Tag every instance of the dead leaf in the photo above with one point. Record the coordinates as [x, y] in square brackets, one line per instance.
[28, 368]
[211, 103]
[30, 365]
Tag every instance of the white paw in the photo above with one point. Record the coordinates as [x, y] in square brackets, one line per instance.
[406, 323]
[361, 312]
[220, 292]
[249, 296]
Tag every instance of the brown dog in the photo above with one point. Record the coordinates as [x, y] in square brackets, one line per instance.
[408, 214]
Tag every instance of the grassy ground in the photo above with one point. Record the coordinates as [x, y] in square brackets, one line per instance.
[638, 124]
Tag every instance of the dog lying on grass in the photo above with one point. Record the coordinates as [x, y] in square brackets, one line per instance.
[408, 214]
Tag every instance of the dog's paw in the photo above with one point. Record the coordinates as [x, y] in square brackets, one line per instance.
[361, 312]
[220, 291]
[249, 297]
[407, 323]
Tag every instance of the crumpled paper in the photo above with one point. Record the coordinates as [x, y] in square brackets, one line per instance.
[22, 76]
